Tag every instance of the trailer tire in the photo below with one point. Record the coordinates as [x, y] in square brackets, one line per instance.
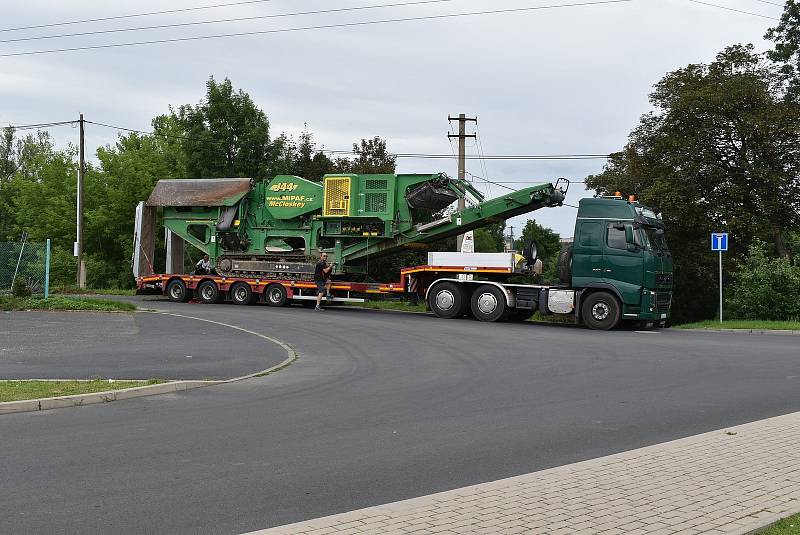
[601, 311]
[488, 303]
[241, 293]
[275, 295]
[565, 265]
[447, 300]
[208, 292]
[177, 292]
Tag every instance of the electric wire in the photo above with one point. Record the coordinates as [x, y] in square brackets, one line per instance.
[218, 21]
[734, 9]
[318, 27]
[132, 15]
[38, 125]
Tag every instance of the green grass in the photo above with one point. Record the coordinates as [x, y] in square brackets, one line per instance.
[787, 526]
[71, 290]
[742, 324]
[19, 390]
[59, 302]
[391, 305]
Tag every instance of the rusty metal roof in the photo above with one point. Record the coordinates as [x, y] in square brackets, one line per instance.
[199, 192]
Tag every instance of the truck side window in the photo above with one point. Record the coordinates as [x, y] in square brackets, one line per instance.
[616, 238]
[590, 234]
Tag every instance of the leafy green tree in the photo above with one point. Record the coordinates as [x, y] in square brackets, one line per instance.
[719, 152]
[371, 157]
[491, 238]
[549, 244]
[300, 158]
[225, 135]
[765, 288]
[786, 36]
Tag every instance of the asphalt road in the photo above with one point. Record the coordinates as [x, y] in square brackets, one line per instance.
[379, 407]
[84, 345]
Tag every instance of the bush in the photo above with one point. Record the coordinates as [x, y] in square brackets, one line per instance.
[765, 288]
[19, 288]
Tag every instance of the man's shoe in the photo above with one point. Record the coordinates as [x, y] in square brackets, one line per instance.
[319, 308]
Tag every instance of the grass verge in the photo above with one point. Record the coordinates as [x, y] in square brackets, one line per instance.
[743, 324]
[72, 290]
[59, 302]
[20, 390]
[787, 526]
[390, 305]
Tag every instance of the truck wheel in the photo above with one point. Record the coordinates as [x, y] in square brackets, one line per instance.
[565, 265]
[521, 314]
[241, 293]
[447, 300]
[208, 292]
[275, 295]
[601, 311]
[177, 291]
[488, 303]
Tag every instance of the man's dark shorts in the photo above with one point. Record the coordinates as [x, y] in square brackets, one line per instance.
[320, 287]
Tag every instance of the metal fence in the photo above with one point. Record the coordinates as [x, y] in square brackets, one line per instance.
[25, 261]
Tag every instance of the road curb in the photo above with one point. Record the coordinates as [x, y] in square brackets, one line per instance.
[775, 332]
[77, 400]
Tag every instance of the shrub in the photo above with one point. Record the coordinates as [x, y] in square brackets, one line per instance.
[19, 288]
[765, 288]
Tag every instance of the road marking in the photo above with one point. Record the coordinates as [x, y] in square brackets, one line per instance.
[731, 480]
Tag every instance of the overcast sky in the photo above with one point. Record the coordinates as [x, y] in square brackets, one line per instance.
[550, 81]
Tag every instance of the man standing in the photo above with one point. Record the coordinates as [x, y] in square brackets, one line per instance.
[322, 278]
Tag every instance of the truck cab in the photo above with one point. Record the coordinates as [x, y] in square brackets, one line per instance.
[620, 262]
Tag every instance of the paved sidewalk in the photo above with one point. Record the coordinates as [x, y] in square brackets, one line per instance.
[728, 481]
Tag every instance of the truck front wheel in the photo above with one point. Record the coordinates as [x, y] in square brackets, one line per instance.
[488, 303]
[601, 311]
[447, 300]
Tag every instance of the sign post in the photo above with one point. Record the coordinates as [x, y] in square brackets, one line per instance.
[719, 243]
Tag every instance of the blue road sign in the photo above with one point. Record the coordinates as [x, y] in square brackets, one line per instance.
[719, 241]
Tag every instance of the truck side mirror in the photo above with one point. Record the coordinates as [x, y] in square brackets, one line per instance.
[629, 235]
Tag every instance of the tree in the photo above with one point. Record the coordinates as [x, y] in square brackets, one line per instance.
[549, 244]
[371, 157]
[491, 238]
[720, 151]
[225, 135]
[300, 158]
[786, 36]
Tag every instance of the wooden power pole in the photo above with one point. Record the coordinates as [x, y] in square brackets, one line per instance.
[81, 271]
[462, 151]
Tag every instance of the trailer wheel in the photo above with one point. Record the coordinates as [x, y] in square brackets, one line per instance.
[208, 292]
[488, 303]
[177, 291]
[601, 311]
[241, 293]
[447, 300]
[275, 295]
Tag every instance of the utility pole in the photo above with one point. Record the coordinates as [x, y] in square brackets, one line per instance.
[462, 151]
[81, 271]
[512, 238]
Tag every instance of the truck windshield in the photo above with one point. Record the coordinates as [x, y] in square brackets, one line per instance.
[655, 240]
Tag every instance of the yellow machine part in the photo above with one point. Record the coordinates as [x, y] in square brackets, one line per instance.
[337, 196]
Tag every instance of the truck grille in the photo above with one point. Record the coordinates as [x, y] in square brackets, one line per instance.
[663, 301]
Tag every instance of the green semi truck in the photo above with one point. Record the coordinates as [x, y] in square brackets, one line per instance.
[264, 237]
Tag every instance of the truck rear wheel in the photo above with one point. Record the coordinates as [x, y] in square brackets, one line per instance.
[208, 292]
[488, 303]
[447, 300]
[241, 293]
[601, 311]
[275, 295]
[565, 265]
[177, 291]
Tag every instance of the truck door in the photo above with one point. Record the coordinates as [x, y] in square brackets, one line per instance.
[622, 262]
[587, 253]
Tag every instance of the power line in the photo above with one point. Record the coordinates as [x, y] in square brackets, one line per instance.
[319, 27]
[734, 9]
[132, 15]
[217, 21]
[38, 125]
[770, 3]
